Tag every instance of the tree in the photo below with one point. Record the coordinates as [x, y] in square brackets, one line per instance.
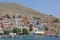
[2, 25]
[46, 28]
[19, 16]
[31, 28]
[13, 16]
[34, 17]
[7, 32]
[16, 30]
[25, 31]
[51, 15]
[56, 20]
[37, 23]
[8, 16]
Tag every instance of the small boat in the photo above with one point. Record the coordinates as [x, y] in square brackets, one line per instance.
[56, 35]
[12, 34]
[0, 36]
[50, 35]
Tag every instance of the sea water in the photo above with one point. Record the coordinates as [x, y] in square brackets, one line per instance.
[32, 38]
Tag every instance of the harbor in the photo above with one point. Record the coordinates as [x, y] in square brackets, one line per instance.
[32, 38]
[29, 20]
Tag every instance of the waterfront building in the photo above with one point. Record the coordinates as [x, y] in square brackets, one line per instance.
[39, 32]
[1, 31]
[39, 27]
[7, 24]
[33, 22]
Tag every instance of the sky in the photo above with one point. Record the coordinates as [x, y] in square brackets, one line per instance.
[45, 6]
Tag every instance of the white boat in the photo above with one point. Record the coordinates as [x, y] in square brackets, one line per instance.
[12, 34]
[0, 36]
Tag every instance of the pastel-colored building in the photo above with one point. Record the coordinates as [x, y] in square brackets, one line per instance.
[39, 32]
[33, 22]
[7, 24]
[1, 30]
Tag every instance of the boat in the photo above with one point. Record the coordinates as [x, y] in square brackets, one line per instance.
[0, 36]
[13, 35]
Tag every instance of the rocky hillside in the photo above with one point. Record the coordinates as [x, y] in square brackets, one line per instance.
[12, 9]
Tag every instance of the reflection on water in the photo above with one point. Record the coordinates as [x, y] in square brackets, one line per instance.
[32, 38]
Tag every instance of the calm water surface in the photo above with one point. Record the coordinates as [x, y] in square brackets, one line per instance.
[32, 38]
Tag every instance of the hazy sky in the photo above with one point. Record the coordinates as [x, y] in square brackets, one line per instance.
[44, 6]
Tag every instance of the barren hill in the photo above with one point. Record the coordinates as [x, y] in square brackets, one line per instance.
[12, 9]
